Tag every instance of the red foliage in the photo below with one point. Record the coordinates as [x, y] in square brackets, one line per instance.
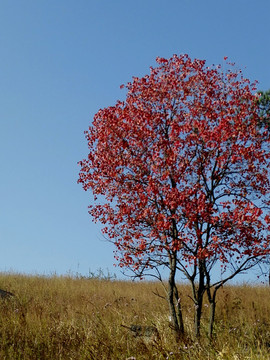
[182, 167]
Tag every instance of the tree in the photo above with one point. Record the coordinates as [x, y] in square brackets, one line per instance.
[182, 175]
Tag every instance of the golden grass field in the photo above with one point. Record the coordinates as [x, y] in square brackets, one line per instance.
[78, 318]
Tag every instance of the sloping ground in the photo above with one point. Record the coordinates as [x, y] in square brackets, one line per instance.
[67, 318]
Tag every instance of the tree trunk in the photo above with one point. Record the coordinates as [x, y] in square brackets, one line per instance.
[199, 300]
[176, 316]
[179, 310]
[197, 320]
[173, 315]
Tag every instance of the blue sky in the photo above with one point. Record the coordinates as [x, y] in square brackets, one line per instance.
[60, 62]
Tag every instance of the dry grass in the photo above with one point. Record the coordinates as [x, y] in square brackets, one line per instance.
[69, 318]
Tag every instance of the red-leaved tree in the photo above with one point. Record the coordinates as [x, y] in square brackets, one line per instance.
[182, 172]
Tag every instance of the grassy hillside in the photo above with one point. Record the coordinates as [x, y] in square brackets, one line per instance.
[68, 318]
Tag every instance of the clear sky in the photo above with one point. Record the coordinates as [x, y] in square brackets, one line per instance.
[60, 62]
